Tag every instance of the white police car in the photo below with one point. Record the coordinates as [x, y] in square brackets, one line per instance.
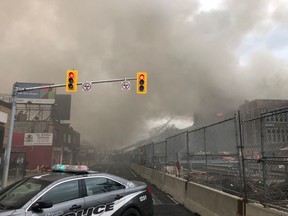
[74, 191]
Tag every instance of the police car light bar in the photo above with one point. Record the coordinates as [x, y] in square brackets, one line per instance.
[70, 168]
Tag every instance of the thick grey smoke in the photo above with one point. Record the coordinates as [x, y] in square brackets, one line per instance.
[192, 58]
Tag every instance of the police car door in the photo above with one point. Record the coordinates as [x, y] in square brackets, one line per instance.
[102, 194]
[65, 197]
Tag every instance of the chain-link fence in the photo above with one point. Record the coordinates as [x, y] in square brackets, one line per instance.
[208, 155]
[244, 157]
[214, 156]
[265, 155]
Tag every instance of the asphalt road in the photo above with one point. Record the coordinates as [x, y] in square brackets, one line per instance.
[164, 205]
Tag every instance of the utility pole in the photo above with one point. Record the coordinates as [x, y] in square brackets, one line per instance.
[9, 142]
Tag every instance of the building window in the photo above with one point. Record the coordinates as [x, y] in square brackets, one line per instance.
[275, 118]
[69, 138]
[278, 135]
[273, 135]
[268, 135]
[285, 117]
[281, 118]
[283, 137]
[56, 134]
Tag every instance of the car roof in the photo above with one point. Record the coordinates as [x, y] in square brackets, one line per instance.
[59, 176]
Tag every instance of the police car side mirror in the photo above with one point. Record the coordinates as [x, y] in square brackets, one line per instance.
[41, 204]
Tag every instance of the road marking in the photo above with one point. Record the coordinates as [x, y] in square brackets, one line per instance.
[107, 170]
[132, 172]
[172, 199]
[156, 201]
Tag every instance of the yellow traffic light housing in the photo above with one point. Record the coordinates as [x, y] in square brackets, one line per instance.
[141, 85]
[71, 80]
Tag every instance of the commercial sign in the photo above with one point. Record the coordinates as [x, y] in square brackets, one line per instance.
[37, 96]
[38, 139]
[3, 117]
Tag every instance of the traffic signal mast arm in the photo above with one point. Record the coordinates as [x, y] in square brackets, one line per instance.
[79, 83]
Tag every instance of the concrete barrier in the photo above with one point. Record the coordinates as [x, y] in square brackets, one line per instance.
[259, 210]
[201, 199]
[157, 178]
[208, 201]
[176, 187]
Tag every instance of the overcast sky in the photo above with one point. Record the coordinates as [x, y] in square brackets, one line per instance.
[201, 57]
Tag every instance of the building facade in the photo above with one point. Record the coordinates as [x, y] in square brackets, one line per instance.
[39, 138]
[44, 143]
[5, 115]
[263, 126]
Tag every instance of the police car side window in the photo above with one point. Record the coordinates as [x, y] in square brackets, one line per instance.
[63, 192]
[115, 185]
[101, 185]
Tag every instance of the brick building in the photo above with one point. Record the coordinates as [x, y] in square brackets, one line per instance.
[42, 141]
[38, 136]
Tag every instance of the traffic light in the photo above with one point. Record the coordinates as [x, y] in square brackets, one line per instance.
[141, 85]
[71, 80]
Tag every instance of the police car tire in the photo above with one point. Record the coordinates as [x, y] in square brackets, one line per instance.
[131, 212]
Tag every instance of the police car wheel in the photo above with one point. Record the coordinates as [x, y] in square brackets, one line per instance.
[131, 212]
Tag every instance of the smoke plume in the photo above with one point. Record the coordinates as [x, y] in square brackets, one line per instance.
[194, 58]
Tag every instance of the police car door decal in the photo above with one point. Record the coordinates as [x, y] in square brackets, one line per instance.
[105, 210]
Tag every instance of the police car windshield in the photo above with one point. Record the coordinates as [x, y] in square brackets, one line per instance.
[19, 194]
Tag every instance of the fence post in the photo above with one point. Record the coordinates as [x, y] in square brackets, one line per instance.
[242, 161]
[153, 161]
[206, 156]
[188, 155]
[165, 156]
[262, 159]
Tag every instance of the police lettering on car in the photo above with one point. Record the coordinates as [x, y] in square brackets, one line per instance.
[92, 211]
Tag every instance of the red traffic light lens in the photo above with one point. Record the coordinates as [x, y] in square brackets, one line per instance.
[141, 76]
[71, 75]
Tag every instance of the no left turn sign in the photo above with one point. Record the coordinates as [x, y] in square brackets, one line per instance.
[86, 86]
[125, 85]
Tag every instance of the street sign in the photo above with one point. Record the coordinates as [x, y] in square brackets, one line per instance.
[125, 85]
[86, 86]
